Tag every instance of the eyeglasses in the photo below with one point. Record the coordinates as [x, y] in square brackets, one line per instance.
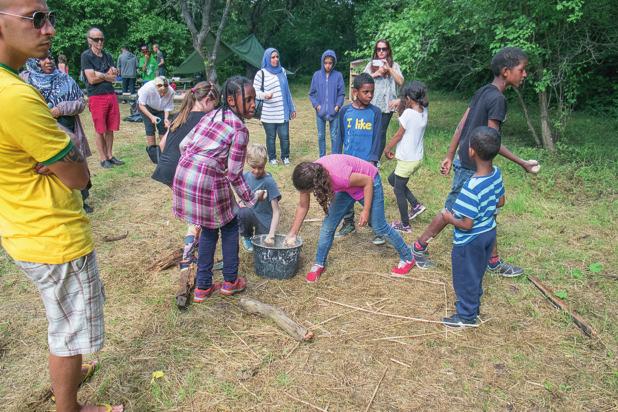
[162, 85]
[38, 18]
[381, 49]
[97, 39]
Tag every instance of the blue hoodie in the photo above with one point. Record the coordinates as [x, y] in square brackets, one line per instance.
[327, 92]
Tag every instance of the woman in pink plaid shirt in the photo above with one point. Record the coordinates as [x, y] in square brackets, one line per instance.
[210, 166]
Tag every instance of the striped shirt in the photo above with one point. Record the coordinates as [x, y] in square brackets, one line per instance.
[478, 201]
[272, 110]
[212, 162]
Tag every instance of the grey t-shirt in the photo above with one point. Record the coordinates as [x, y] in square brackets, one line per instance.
[487, 103]
[263, 209]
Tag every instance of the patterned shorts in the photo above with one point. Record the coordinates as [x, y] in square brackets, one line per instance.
[73, 296]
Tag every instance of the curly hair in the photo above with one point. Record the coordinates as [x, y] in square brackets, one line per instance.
[308, 176]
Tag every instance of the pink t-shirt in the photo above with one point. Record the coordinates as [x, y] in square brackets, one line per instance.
[340, 167]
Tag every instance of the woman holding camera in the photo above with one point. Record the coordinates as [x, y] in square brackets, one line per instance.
[387, 76]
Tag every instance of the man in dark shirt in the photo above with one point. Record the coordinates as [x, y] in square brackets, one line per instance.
[99, 72]
[160, 60]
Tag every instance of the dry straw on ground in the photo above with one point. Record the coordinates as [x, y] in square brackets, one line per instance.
[216, 357]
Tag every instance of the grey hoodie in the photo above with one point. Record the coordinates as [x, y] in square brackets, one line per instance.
[127, 65]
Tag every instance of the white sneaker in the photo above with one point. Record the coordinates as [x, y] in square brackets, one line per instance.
[273, 162]
[286, 161]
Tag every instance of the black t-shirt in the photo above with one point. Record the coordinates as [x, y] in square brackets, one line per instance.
[91, 61]
[487, 103]
[168, 161]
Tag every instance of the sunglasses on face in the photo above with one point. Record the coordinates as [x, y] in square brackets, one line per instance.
[38, 18]
[162, 85]
[97, 39]
[382, 49]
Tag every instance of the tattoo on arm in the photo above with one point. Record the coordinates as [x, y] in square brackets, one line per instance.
[74, 156]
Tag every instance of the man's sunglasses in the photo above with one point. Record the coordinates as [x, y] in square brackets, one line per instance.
[38, 18]
[97, 39]
[382, 49]
[162, 85]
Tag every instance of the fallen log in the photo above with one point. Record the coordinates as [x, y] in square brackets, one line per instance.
[166, 261]
[560, 304]
[107, 238]
[292, 328]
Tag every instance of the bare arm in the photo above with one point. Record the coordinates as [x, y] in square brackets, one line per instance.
[95, 77]
[144, 109]
[274, 222]
[445, 166]
[465, 223]
[302, 209]
[366, 182]
[396, 139]
[501, 201]
[397, 76]
[72, 170]
[504, 151]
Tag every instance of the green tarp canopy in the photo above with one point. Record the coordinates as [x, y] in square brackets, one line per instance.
[249, 50]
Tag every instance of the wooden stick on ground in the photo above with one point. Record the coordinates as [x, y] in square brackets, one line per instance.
[390, 315]
[376, 390]
[295, 330]
[305, 402]
[107, 238]
[559, 303]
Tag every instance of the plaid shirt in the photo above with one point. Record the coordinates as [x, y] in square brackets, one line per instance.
[212, 161]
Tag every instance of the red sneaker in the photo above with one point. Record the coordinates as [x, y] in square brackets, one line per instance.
[200, 295]
[231, 288]
[403, 268]
[315, 273]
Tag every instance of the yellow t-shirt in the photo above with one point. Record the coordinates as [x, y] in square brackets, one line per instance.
[41, 219]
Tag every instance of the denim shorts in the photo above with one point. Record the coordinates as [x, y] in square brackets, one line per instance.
[73, 296]
[460, 177]
[150, 127]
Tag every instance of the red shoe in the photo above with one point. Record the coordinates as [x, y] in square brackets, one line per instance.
[403, 268]
[200, 295]
[231, 288]
[315, 273]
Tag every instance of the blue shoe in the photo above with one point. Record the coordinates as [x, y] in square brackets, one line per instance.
[247, 245]
[504, 269]
[457, 321]
[346, 229]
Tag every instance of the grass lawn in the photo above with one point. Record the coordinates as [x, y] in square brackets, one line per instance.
[560, 226]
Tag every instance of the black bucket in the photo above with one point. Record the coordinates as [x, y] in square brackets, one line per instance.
[276, 261]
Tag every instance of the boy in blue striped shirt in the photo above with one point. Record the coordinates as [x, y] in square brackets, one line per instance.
[473, 216]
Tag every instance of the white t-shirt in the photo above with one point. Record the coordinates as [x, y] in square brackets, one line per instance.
[410, 147]
[149, 95]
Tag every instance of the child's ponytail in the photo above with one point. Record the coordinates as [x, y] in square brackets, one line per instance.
[413, 90]
[308, 176]
[200, 91]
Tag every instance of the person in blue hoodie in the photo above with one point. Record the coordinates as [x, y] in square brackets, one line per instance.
[326, 93]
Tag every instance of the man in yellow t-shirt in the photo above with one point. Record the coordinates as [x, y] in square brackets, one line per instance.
[42, 223]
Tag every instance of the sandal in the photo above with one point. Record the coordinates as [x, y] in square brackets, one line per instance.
[90, 368]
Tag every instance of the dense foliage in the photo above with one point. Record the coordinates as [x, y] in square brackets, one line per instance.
[573, 44]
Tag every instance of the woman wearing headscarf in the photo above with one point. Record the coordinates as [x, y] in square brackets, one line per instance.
[65, 100]
[387, 77]
[271, 85]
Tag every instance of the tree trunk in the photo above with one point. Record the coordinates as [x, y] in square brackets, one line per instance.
[211, 69]
[546, 134]
[527, 116]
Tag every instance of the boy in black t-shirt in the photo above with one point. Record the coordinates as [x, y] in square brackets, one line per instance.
[487, 108]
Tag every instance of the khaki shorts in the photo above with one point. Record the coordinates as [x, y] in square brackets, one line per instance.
[73, 296]
[406, 168]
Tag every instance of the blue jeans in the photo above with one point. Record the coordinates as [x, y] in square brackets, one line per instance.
[206, 253]
[460, 177]
[469, 262]
[333, 126]
[283, 130]
[340, 204]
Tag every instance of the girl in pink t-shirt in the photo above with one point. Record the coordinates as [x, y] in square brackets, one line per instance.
[338, 181]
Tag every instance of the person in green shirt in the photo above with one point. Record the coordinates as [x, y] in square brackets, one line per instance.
[147, 65]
